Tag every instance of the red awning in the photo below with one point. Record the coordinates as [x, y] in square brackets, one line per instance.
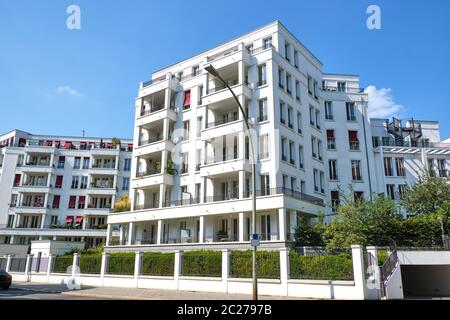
[67, 144]
[48, 143]
[187, 98]
[109, 145]
[82, 200]
[83, 143]
[79, 219]
[69, 219]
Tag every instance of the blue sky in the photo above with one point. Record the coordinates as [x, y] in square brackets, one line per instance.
[59, 81]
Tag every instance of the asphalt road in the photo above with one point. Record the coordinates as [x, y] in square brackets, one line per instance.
[21, 294]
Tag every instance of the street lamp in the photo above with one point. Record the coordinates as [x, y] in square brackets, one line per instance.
[211, 70]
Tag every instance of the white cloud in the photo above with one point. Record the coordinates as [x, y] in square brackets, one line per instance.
[381, 102]
[66, 90]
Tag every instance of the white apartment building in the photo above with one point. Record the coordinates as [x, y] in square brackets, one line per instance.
[191, 169]
[60, 188]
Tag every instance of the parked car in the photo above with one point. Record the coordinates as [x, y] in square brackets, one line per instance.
[5, 280]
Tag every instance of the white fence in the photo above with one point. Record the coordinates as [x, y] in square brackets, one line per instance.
[365, 284]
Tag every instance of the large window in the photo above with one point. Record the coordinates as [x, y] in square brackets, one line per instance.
[390, 189]
[281, 77]
[263, 114]
[282, 112]
[77, 163]
[288, 83]
[301, 158]
[350, 108]
[331, 140]
[329, 110]
[262, 74]
[353, 140]
[75, 182]
[283, 149]
[264, 146]
[356, 170]
[388, 170]
[297, 90]
[332, 164]
[127, 165]
[400, 166]
[299, 123]
[335, 200]
[292, 152]
[187, 100]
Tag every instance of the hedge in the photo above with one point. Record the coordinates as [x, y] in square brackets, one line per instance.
[62, 264]
[205, 263]
[90, 264]
[158, 264]
[267, 264]
[121, 263]
[321, 267]
[382, 256]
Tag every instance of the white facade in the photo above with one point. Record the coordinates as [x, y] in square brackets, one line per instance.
[313, 140]
[59, 188]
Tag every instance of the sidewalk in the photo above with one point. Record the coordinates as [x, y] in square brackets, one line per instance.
[136, 294]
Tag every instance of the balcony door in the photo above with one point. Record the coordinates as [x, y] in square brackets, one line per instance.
[265, 227]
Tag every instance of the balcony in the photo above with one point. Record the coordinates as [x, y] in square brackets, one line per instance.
[158, 84]
[340, 89]
[34, 187]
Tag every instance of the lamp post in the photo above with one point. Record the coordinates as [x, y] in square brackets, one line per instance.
[211, 70]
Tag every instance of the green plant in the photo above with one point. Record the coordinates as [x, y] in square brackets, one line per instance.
[382, 256]
[321, 267]
[122, 205]
[268, 264]
[121, 263]
[158, 264]
[170, 168]
[115, 142]
[90, 263]
[203, 263]
[62, 264]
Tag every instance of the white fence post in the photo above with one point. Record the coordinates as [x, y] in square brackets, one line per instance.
[375, 283]
[284, 269]
[358, 271]
[137, 267]
[104, 266]
[51, 259]
[28, 263]
[177, 267]
[225, 268]
[8, 263]
[76, 259]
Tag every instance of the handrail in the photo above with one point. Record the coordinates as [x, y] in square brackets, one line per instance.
[388, 268]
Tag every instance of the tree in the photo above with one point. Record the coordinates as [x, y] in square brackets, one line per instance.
[306, 235]
[122, 205]
[426, 196]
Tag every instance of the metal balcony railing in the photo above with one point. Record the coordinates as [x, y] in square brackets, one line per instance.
[222, 121]
[342, 89]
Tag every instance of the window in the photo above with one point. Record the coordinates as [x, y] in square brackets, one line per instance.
[302, 186]
[283, 149]
[125, 184]
[185, 163]
[291, 152]
[75, 182]
[335, 200]
[316, 180]
[187, 100]
[287, 51]
[332, 165]
[313, 146]
[329, 110]
[318, 119]
[401, 190]
[390, 189]
[299, 123]
[356, 170]
[186, 130]
[297, 90]
[61, 162]
[290, 118]
[331, 140]
[77, 163]
[81, 202]
[282, 107]
[127, 165]
[431, 167]
[264, 146]
[72, 202]
[301, 157]
[262, 110]
[195, 71]
[386, 141]
[350, 108]
[442, 167]
[353, 140]
[281, 78]
[388, 170]
[311, 115]
[86, 163]
[285, 180]
[376, 142]
[20, 158]
[316, 90]
[358, 196]
[56, 201]
[288, 83]
[59, 182]
[322, 182]
[199, 96]
[341, 86]
[83, 183]
[265, 185]
[400, 166]
[296, 58]
[267, 43]
[17, 179]
[310, 85]
[262, 74]
[319, 149]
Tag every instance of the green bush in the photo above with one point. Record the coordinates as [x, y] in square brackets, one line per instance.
[62, 264]
[382, 256]
[267, 264]
[322, 267]
[121, 263]
[158, 264]
[90, 264]
[202, 264]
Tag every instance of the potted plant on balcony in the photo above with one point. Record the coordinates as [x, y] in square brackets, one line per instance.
[221, 235]
[115, 142]
[170, 168]
[53, 226]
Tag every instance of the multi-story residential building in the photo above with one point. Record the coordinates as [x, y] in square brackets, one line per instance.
[60, 188]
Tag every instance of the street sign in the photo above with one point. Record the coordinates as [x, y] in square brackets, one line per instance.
[255, 240]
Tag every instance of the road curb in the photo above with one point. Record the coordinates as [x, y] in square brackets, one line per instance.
[101, 296]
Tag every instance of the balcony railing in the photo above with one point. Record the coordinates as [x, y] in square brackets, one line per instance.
[342, 89]
[221, 87]
[220, 159]
[32, 205]
[151, 110]
[150, 140]
[34, 184]
[222, 121]
[104, 166]
[147, 206]
[222, 54]
[254, 51]
[287, 192]
[38, 164]
[148, 172]
[150, 82]
[102, 185]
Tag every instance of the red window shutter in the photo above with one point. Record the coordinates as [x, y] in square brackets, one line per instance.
[353, 135]
[59, 181]
[56, 200]
[330, 133]
[72, 201]
[17, 179]
[187, 98]
[81, 200]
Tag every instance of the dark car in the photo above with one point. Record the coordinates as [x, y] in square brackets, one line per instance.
[5, 280]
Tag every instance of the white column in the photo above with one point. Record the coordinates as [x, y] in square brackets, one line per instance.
[51, 260]
[130, 233]
[137, 266]
[104, 265]
[292, 223]
[375, 272]
[201, 233]
[167, 99]
[43, 217]
[358, 271]
[241, 227]
[159, 232]
[241, 71]
[11, 240]
[162, 194]
[284, 269]
[177, 267]
[8, 263]
[76, 259]
[28, 264]
[225, 268]
[241, 184]
[282, 224]
[165, 129]
[108, 235]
